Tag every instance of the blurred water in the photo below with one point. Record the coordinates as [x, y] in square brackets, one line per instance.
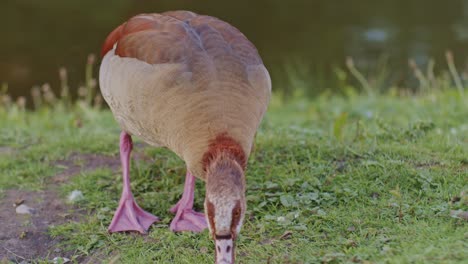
[307, 37]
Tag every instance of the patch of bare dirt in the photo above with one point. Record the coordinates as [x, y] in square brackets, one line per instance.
[429, 164]
[24, 238]
[6, 150]
[77, 163]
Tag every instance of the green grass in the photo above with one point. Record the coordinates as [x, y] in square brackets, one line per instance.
[336, 179]
[30, 142]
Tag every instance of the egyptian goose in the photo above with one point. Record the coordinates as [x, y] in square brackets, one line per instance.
[195, 85]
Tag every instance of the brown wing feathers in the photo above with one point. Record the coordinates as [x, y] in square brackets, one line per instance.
[176, 36]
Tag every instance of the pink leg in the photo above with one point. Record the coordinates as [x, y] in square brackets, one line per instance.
[129, 216]
[186, 219]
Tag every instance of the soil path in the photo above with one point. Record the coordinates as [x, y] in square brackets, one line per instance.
[24, 238]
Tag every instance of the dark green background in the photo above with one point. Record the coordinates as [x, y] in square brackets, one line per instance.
[306, 37]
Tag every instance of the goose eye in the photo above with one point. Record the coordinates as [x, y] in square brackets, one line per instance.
[236, 215]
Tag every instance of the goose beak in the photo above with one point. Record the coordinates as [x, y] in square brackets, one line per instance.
[224, 251]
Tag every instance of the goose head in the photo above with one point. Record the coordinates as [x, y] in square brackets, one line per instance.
[225, 205]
